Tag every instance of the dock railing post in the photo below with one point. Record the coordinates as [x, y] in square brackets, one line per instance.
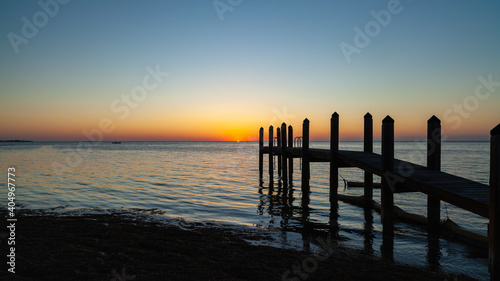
[271, 168]
[334, 168]
[434, 163]
[278, 144]
[290, 159]
[261, 155]
[368, 148]
[494, 224]
[387, 196]
[305, 162]
[284, 156]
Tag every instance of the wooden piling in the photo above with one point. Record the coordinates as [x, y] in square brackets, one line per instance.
[261, 155]
[278, 144]
[271, 168]
[494, 224]
[284, 156]
[368, 147]
[387, 196]
[434, 163]
[305, 159]
[334, 168]
[472, 196]
[290, 160]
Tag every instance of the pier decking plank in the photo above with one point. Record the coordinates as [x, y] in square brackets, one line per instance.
[397, 176]
[461, 192]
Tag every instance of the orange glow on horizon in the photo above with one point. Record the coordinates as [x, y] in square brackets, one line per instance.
[216, 128]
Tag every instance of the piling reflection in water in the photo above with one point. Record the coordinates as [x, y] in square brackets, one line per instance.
[433, 252]
[368, 231]
[280, 203]
[461, 192]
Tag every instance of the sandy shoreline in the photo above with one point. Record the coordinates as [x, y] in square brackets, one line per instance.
[116, 247]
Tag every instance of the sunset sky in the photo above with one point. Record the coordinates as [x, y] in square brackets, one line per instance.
[100, 67]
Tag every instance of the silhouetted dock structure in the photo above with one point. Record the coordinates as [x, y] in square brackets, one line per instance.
[396, 175]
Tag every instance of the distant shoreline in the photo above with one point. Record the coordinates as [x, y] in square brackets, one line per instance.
[16, 141]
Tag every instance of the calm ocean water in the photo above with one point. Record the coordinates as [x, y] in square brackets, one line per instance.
[218, 181]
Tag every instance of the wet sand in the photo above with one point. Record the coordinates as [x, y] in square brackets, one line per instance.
[117, 247]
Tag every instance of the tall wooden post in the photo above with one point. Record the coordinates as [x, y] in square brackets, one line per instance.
[334, 168]
[387, 196]
[494, 225]
[368, 148]
[305, 162]
[434, 163]
[368, 184]
[261, 155]
[278, 144]
[284, 156]
[271, 168]
[290, 159]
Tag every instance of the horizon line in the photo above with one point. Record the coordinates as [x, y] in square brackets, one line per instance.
[236, 141]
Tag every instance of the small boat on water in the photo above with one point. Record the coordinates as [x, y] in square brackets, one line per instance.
[116, 142]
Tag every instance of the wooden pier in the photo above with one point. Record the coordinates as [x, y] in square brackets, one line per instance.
[396, 175]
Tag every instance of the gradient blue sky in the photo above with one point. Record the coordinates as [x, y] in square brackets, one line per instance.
[264, 61]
